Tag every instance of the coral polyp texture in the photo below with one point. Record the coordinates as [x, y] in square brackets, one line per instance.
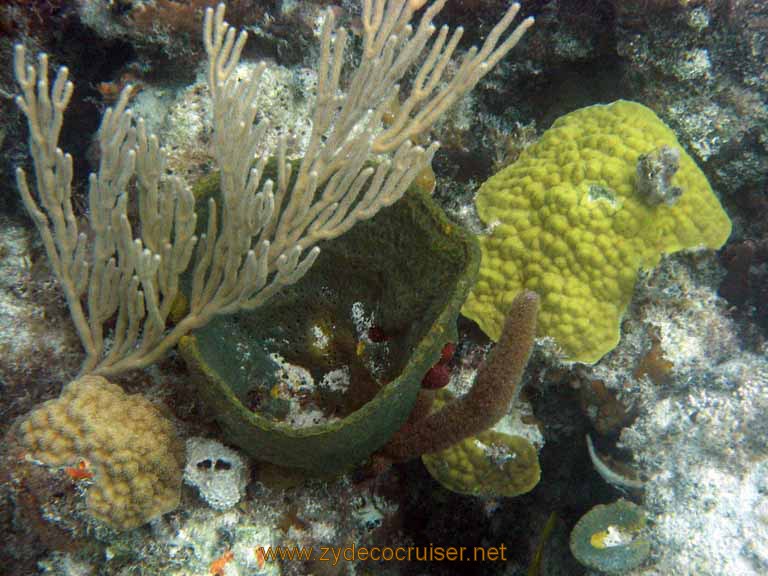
[605, 193]
[491, 463]
[132, 451]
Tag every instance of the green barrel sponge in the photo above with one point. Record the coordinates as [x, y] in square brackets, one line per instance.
[409, 265]
[610, 538]
[602, 195]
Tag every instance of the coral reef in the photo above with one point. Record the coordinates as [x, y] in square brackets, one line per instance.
[672, 418]
[269, 229]
[183, 122]
[127, 447]
[746, 282]
[38, 349]
[697, 434]
[40, 512]
[169, 24]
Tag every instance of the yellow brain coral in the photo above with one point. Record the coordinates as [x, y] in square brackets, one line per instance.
[604, 193]
[489, 464]
[135, 456]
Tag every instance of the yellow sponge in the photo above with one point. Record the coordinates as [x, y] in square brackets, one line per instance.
[604, 193]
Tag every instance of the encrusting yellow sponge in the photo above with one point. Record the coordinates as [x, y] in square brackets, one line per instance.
[603, 194]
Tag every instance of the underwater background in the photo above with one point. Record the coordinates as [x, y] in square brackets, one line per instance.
[533, 338]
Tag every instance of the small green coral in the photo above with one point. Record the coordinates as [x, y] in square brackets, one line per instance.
[610, 538]
[489, 464]
[579, 214]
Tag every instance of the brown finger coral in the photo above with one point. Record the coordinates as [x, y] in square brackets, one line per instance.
[132, 451]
